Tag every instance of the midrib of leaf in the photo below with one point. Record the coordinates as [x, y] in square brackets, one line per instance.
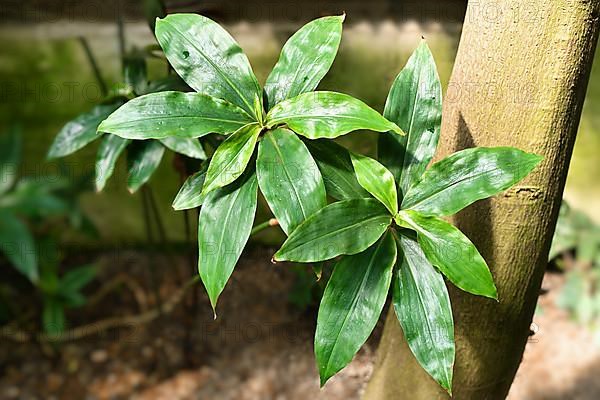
[228, 215]
[348, 181]
[310, 116]
[297, 70]
[289, 86]
[406, 164]
[288, 176]
[342, 176]
[345, 228]
[237, 153]
[185, 117]
[374, 177]
[424, 232]
[429, 327]
[354, 301]
[215, 67]
[317, 60]
[447, 187]
[144, 163]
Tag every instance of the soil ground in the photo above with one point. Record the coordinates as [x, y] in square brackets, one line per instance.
[259, 347]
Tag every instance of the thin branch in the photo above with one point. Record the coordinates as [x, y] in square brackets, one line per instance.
[262, 226]
[93, 328]
[160, 226]
[146, 209]
[94, 64]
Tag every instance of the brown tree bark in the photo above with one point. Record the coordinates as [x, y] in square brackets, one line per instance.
[519, 79]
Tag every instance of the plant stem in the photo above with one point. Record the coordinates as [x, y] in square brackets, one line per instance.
[95, 68]
[146, 208]
[121, 34]
[264, 225]
[191, 309]
[157, 218]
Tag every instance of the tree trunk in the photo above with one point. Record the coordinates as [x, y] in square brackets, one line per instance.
[519, 79]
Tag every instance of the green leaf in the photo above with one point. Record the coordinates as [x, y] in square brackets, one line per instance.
[318, 270]
[345, 227]
[110, 149]
[225, 223]
[337, 170]
[53, 317]
[451, 252]
[135, 72]
[415, 104]
[305, 59]
[36, 197]
[18, 245]
[467, 176]
[143, 159]
[168, 83]
[231, 158]
[351, 305]
[186, 146]
[163, 114]
[423, 308]
[377, 180]
[210, 60]
[11, 145]
[190, 195]
[80, 131]
[289, 178]
[77, 278]
[327, 115]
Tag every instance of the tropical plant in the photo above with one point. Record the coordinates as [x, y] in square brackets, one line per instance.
[143, 156]
[28, 236]
[387, 225]
[22, 202]
[229, 101]
[57, 291]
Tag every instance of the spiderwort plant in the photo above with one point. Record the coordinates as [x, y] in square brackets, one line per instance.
[397, 238]
[228, 100]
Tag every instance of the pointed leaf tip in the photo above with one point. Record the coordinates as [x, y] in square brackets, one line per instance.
[230, 159]
[437, 238]
[422, 306]
[346, 227]
[304, 60]
[377, 180]
[323, 380]
[217, 66]
[226, 214]
[351, 305]
[466, 176]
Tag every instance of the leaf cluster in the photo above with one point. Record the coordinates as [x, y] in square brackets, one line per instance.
[386, 231]
[28, 205]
